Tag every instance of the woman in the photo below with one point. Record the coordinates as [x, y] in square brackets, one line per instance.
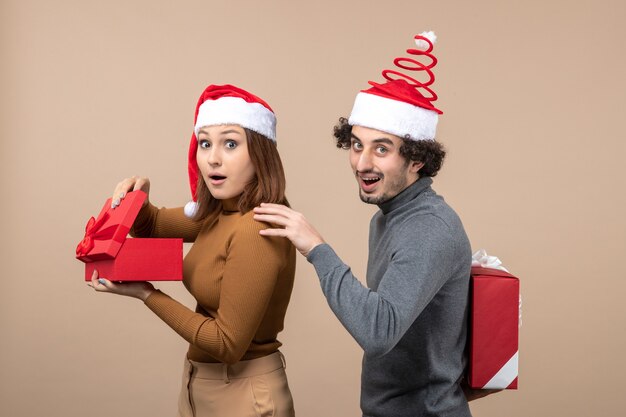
[242, 281]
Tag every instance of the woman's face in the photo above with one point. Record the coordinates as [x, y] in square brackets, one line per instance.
[224, 161]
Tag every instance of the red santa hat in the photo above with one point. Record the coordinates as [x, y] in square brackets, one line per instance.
[226, 104]
[402, 105]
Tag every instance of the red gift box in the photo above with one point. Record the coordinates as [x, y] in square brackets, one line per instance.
[494, 329]
[107, 248]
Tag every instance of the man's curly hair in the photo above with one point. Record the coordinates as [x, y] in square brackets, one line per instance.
[429, 152]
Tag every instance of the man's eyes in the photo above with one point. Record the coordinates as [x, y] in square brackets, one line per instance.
[358, 146]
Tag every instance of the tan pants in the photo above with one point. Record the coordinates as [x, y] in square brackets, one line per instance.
[254, 388]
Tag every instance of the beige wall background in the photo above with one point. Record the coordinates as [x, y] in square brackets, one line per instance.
[92, 92]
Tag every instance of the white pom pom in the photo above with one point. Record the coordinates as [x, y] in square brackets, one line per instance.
[430, 35]
[191, 208]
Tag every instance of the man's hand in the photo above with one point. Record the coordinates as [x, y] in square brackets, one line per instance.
[472, 394]
[140, 290]
[295, 226]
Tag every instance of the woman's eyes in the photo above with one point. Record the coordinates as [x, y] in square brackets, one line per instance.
[381, 149]
[357, 146]
[228, 144]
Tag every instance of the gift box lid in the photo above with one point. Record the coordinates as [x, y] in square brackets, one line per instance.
[105, 235]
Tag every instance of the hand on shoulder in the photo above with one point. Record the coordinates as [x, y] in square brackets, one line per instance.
[292, 225]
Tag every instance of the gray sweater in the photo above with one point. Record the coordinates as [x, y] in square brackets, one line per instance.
[411, 321]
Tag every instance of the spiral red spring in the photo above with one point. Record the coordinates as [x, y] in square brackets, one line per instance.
[412, 64]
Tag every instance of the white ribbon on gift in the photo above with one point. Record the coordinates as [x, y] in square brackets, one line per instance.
[480, 258]
[507, 374]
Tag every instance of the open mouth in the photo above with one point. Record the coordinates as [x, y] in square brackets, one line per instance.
[370, 181]
[217, 179]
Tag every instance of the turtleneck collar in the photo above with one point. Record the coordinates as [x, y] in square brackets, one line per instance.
[406, 195]
[231, 204]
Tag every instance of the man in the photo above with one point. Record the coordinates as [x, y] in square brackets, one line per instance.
[411, 320]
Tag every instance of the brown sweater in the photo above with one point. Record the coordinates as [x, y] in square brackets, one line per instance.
[241, 280]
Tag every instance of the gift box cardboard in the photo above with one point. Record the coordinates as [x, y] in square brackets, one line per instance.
[493, 329]
[107, 248]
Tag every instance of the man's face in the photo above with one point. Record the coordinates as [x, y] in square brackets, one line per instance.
[380, 170]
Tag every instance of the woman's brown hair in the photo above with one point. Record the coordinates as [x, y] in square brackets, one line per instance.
[267, 186]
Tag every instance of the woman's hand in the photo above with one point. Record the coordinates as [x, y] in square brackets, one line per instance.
[130, 184]
[295, 226]
[140, 290]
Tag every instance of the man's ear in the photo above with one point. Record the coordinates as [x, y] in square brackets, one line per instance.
[414, 167]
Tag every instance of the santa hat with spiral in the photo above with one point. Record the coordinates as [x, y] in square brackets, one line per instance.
[402, 105]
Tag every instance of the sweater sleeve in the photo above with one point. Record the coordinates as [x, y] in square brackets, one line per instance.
[378, 319]
[250, 274]
[165, 223]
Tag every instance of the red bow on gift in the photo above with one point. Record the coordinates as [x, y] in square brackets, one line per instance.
[92, 233]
